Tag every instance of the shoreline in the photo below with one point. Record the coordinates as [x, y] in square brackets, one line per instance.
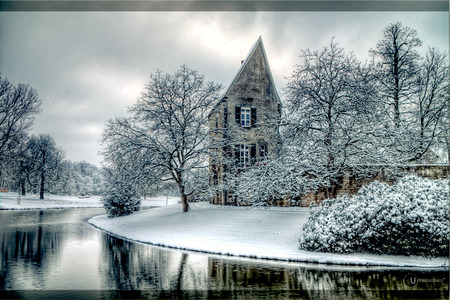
[277, 247]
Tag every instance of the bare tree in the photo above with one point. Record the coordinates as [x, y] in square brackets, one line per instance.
[166, 136]
[18, 105]
[45, 163]
[429, 115]
[398, 59]
[414, 92]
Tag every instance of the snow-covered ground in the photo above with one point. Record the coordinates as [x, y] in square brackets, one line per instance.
[13, 201]
[271, 233]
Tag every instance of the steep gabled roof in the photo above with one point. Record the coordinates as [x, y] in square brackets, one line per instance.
[256, 45]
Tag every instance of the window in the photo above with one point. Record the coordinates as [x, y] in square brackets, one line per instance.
[244, 155]
[245, 116]
[262, 150]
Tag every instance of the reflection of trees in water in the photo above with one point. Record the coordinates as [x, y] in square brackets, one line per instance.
[259, 279]
[31, 245]
[153, 271]
[24, 250]
[164, 273]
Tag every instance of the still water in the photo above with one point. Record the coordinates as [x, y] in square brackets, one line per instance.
[56, 254]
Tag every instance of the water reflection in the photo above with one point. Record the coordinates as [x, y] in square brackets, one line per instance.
[170, 273]
[56, 254]
[133, 266]
[42, 250]
[306, 281]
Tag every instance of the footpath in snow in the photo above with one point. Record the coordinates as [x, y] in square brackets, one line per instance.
[271, 233]
[12, 201]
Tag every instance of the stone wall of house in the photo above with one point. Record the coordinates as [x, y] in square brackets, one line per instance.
[252, 90]
[350, 185]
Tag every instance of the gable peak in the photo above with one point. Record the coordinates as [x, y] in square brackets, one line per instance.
[256, 53]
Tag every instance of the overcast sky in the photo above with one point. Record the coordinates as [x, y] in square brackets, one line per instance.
[89, 67]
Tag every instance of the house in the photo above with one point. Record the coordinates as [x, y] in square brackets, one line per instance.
[244, 124]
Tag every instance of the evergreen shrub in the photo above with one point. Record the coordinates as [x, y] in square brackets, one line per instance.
[121, 197]
[410, 217]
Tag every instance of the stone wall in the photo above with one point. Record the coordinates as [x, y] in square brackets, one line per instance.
[350, 185]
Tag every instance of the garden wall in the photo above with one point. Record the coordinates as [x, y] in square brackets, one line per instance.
[350, 185]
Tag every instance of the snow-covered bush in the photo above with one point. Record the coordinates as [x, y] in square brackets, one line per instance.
[121, 197]
[410, 217]
[267, 182]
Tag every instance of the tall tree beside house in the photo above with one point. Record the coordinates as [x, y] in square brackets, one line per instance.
[332, 114]
[414, 93]
[165, 135]
[244, 126]
[398, 60]
[429, 116]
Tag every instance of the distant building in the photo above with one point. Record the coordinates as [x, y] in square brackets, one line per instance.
[244, 124]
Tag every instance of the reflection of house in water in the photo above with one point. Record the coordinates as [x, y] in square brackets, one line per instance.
[255, 279]
[244, 123]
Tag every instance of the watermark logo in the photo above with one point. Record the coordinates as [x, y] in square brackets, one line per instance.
[412, 280]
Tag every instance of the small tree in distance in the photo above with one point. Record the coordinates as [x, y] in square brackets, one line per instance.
[44, 159]
[166, 135]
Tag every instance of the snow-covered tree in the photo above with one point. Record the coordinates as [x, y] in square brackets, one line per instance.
[166, 134]
[430, 107]
[414, 94]
[280, 179]
[44, 163]
[121, 196]
[18, 105]
[397, 68]
[332, 112]
[82, 178]
[408, 218]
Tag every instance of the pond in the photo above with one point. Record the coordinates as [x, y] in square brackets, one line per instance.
[56, 254]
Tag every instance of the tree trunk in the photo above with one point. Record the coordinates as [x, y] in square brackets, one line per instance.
[185, 203]
[22, 187]
[396, 88]
[183, 195]
[180, 182]
[41, 192]
[22, 179]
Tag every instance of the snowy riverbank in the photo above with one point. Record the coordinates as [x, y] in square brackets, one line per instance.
[11, 201]
[239, 231]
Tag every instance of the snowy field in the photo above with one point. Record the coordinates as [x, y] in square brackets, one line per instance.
[12, 201]
[239, 231]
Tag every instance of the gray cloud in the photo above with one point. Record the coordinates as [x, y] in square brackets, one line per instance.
[90, 66]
